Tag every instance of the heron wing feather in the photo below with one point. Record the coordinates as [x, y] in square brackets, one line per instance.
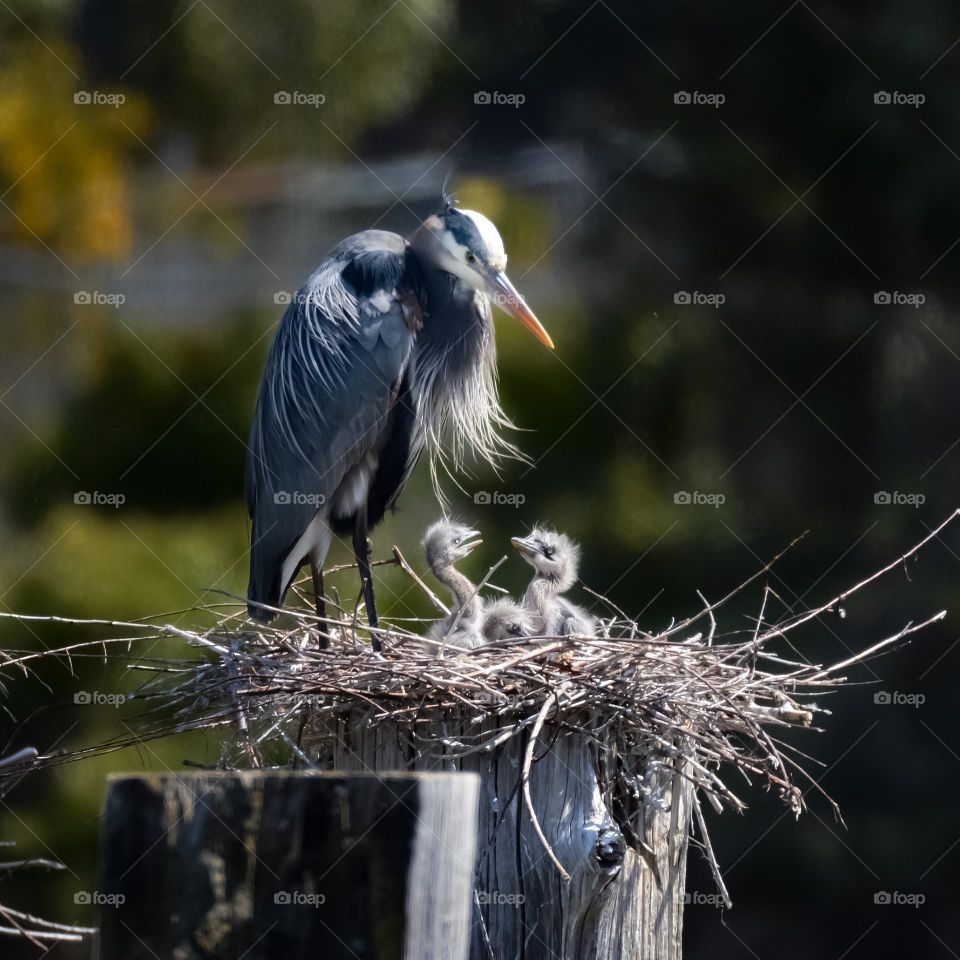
[330, 382]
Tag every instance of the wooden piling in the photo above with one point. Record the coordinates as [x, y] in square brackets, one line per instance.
[625, 855]
[288, 865]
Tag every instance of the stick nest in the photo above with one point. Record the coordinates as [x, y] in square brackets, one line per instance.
[688, 700]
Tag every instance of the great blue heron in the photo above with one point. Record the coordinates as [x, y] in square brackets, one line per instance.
[555, 559]
[446, 544]
[505, 619]
[386, 350]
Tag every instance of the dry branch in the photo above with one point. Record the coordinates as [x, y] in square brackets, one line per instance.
[658, 706]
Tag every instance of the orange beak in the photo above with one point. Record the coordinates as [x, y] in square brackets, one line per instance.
[507, 297]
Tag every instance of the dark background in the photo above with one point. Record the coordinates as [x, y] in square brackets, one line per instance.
[800, 398]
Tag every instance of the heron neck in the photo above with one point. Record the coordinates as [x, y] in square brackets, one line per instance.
[453, 368]
[461, 590]
[450, 301]
[540, 591]
[452, 324]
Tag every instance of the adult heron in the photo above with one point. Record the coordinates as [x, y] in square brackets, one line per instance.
[387, 350]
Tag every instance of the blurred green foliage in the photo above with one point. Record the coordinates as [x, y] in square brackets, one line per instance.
[799, 399]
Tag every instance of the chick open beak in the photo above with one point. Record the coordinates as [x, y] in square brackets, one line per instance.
[472, 542]
[507, 297]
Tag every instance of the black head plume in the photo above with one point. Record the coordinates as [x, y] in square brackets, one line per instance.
[448, 199]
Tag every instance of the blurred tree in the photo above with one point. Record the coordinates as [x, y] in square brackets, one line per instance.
[65, 165]
[152, 445]
[221, 68]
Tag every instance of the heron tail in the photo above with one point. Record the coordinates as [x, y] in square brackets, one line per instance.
[263, 591]
[265, 588]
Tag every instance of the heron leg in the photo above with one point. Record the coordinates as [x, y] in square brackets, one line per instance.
[361, 549]
[320, 603]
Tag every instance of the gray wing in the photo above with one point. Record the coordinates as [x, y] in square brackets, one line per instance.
[574, 620]
[328, 387]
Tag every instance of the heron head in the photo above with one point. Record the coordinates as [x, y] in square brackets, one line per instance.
[446, 543]
[504, 619]
[553, 555]
[470, 247]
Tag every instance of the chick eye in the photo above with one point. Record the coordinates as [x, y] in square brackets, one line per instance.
[456, 541]
[548, 552]
[514, 630]
[471, 257]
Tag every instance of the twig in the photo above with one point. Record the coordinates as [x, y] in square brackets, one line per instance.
[674, 709]
[24, 755]
[840, 597]
[410, 572]
[859, 657]
[710, 855]
[527, 764]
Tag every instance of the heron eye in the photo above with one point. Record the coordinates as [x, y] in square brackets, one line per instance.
[456, 540]
[548, 552]
[471, 257]
[515, 630]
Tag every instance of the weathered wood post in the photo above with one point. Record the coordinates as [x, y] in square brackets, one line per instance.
[288, 865]
[624, 857]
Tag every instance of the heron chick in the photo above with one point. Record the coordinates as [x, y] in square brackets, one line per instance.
[505, 619]
[555, 559]
[447, 543]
